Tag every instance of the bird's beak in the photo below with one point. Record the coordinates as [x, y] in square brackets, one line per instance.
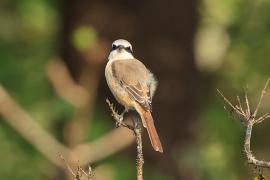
[121, 47]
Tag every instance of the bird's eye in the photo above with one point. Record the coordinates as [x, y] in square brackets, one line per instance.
[114, 47]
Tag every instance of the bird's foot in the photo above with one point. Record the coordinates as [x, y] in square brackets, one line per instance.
[120, 119]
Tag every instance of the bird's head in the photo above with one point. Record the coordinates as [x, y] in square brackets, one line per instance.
[121, 49]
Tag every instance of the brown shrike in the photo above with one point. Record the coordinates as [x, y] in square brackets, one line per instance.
[133, 85]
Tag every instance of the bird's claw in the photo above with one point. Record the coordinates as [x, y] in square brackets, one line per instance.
[119, 121]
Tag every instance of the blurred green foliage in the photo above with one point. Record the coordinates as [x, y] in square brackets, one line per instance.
[28, 40]
[84, 38]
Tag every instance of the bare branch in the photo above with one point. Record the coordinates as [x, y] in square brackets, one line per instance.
[79, 172]
[251, 158]
[64, 85]
[137, 129]
[140, 160]
[250, 120]
[103, 147]
[16, 117]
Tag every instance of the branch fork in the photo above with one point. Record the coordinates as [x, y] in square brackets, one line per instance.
[250, 119]
[78, 175]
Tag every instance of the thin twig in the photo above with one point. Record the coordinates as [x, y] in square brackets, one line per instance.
[90, 175]
[230, 104]
[137, 129]
[262, 118]
[239, 104]
[247, 105]
[262, 95]
[67, 165]
[250, 121]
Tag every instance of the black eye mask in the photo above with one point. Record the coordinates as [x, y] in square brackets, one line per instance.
[114, 47]
[128, 49]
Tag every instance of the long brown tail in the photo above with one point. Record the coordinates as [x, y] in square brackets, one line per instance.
[148, 123]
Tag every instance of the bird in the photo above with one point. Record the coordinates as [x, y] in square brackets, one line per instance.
[133, 86]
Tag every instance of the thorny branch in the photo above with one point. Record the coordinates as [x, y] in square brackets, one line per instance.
[250, 119]
[137, 129]
[90, 175]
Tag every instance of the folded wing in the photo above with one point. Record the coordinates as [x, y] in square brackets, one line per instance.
[135, 79]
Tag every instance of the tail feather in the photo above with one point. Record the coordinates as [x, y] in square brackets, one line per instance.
[148, 123]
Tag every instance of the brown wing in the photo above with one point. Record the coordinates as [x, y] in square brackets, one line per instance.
[135, 78]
